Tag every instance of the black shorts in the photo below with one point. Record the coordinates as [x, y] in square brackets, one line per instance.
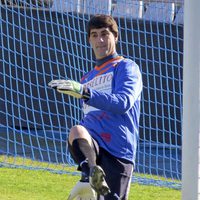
[118, 173]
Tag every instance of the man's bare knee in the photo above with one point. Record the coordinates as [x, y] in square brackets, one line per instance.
[79, 131]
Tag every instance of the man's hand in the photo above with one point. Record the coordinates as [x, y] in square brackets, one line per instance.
[82, 191]
[69, 87]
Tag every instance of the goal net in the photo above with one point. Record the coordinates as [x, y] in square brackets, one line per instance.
[46, 39]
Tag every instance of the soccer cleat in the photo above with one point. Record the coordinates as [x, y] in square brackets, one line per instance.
[97, 180]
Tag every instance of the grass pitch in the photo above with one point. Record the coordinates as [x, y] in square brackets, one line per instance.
[23, 184]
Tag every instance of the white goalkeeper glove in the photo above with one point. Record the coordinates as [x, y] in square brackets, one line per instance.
[69, 87]
[82, 191]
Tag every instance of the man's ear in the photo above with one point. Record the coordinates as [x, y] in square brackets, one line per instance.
[116, 40]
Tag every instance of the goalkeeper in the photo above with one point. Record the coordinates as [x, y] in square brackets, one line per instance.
[104, 143]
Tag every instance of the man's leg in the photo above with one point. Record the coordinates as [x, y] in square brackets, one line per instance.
[83, 151]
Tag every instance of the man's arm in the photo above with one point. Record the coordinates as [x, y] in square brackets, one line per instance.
[127, 89]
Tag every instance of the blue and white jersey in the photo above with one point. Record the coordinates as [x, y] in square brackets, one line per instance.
[111, 115]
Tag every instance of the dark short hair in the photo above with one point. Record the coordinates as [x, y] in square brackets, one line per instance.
[103, 21]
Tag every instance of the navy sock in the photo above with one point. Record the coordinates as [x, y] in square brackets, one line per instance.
[83, 151]
[83, 154]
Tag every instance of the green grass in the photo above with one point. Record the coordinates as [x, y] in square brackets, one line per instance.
[22, 184]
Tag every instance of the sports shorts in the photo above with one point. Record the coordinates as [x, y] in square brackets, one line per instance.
[118, 173]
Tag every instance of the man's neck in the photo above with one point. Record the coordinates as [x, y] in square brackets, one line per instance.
[99, 62]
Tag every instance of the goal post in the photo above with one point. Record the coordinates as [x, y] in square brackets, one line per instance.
[191, 102]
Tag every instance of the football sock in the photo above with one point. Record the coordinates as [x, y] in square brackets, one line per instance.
[84, 155]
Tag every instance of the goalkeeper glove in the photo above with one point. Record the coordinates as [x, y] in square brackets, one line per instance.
[82, 191]
[70, 87]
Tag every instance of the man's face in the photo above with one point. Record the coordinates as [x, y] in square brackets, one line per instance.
[103, 42]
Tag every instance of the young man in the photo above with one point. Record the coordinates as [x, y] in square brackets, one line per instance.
[104, 143]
